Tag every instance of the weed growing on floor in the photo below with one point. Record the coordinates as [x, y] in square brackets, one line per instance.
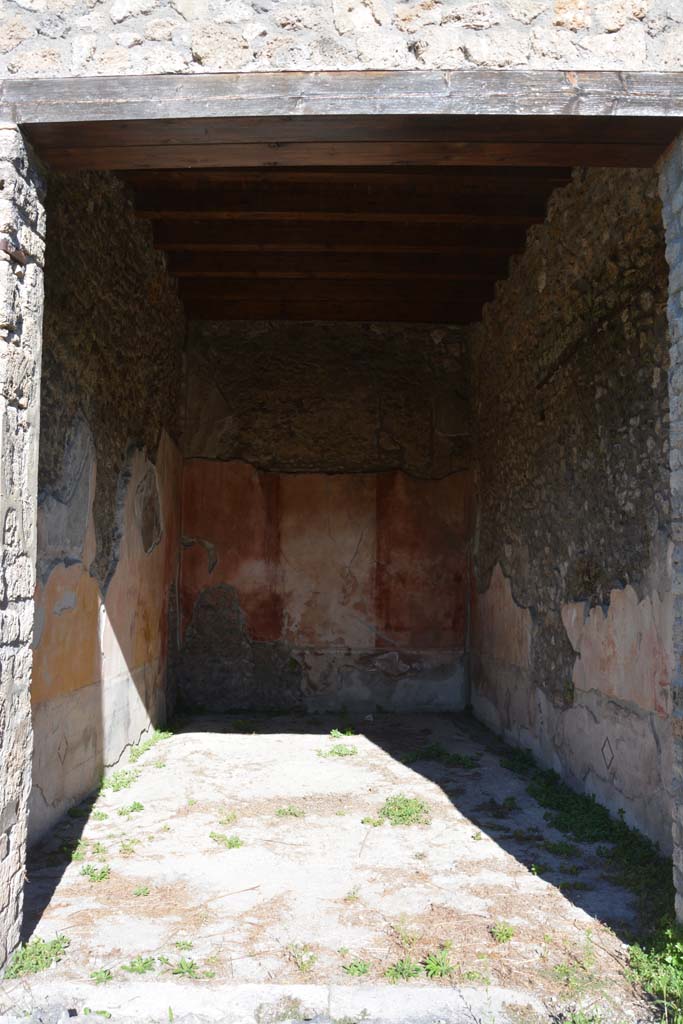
[303, 957]
[186, 968]
[183, 945]
[229, 842]
[500, 808]
[147, 744]
[357, 968]
[403, 970]
[94, 874]
[405, 810]
[633, 860]
[123, 778]
[372, 822]
[36, 956]
[139, 965]
[102, 976]
[290, 812]
[438, 965]
[339, 734]
[577, 975]
[437, 752]
[227, 818]
[98, 849]
[78, 812]
[99, 816]
[78, 851]
[658, 966]
[501, 931]
[98, 1013]
[404, 936]
[127, 846]
[142, 890]
[339, 750]
[477, 836]
[129, 809]
[352, 895]
[561, 848]
[539, 869]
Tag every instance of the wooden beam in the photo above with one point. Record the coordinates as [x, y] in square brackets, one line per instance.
[512, 180]
[334, 310]
[201, 131]
[516, 93]
[282, 236]
[335, 291]
[333, 265]
[341, 202]
[355, 154]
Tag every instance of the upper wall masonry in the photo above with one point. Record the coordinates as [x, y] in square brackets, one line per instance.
[60, 38]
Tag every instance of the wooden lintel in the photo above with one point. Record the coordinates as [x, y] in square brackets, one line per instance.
[517, 93]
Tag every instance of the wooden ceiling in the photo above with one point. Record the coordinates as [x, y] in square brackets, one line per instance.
[378, 243]
[345, 195]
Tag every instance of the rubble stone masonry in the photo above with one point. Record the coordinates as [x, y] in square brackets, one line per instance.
[22, 233]
[52, 38]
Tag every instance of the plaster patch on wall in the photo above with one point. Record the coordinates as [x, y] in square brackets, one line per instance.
[626, 651]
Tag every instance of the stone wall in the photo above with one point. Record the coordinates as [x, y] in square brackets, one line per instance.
[572, 616]
[671, 188]
[114, 37]
[109, 490]
[22, 234]
[325, 517]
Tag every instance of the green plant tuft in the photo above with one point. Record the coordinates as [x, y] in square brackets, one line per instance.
[357, 968]
[339, 750]
[405, 810]
[501, 931]
[403, 970]
[229, 842]
[37, 955]
[147, 744]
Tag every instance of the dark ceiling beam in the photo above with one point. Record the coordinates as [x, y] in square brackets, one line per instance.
[495, 153]
[355, 265]
[395, 311]
[345, 237]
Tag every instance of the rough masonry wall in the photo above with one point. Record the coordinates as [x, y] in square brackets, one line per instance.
[325, 516]
[109, 490]
[572, 611]
[114, 37]
[671, 189]
[22, 245]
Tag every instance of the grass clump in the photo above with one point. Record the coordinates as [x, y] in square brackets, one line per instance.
[658, 967]
[142, 890]
[229, 842]
[303, 957]
[147, 744]
[290, 812]
[339, 750]
[129, 809]
[102, 976]
[127, 847]
[405, 810]
[94, 874]
[357, 968]
[501, 931]
[123, 778]
[227, 818]
[633, 860]
[186, 968]
[139, 965]
[438, 965]
[37, 956]
[403, 970]
[183, 945]
[99, 816]
[437, 752]
[338, 734]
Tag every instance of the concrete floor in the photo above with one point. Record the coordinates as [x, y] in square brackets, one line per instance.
[270, 924]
